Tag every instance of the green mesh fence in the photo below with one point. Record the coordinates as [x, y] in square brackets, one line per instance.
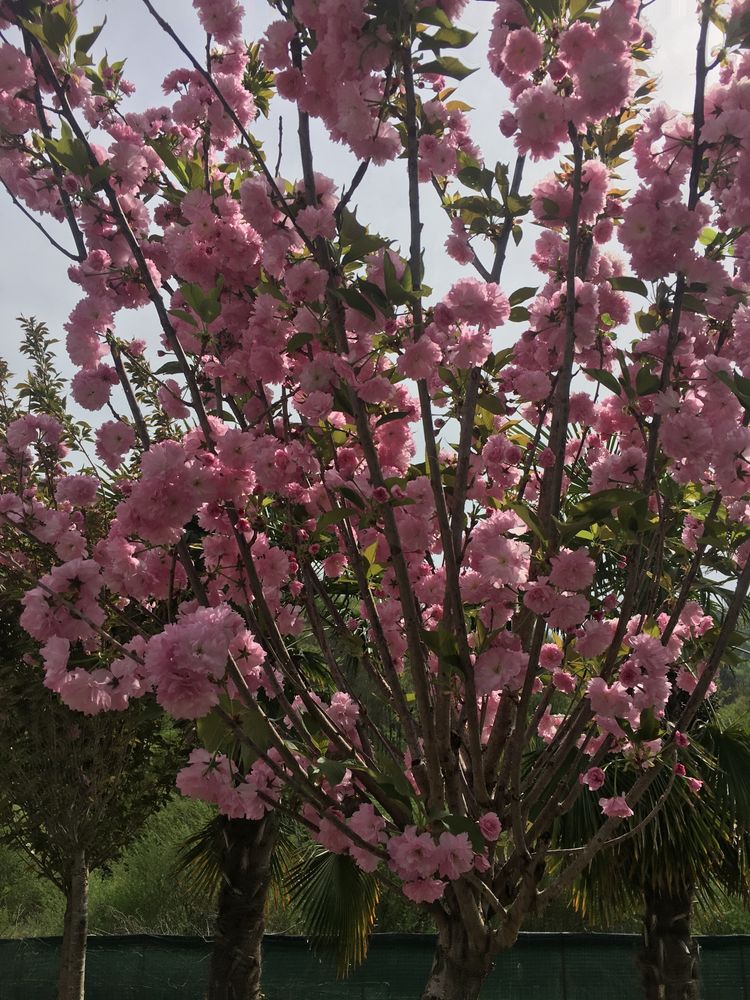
[539, 967]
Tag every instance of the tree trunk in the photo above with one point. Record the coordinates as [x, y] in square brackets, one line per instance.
[246, 870]
[669, 959]
[458, 970]
[70, 983]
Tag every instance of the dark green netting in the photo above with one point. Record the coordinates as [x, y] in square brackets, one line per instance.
[540, 967]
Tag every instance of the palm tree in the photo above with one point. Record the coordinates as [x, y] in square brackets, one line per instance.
[243, 862]
[694, 849]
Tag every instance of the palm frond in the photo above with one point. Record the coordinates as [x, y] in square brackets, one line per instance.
[695, 843]
[729, 744]
[199, 860]
[337, 902]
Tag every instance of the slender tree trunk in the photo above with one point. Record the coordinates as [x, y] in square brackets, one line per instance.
[669, 959]
[458, 969]
[72, 972]
[236, 959]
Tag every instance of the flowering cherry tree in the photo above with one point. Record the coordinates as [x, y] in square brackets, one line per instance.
[352, 502]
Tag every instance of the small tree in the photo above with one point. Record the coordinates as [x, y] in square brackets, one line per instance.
[695, 848]
[74, 791]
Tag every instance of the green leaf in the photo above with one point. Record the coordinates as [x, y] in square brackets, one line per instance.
[59, 25]
[707, 236]
[435, 16]
[496, 362]
[177, 167]
[462, 824]
[693, 304]
[185, 316]
[480, 206]
[521, 295]
[447, 66]
[352, 496]
[374, 293]
[443, 644]
[84, 42]
[335, 516]
[518, 205]
[350, 228]
[299, 339]
[646, 382]
[578, 7]
[369, 554]
[69, 151]
[451, 37]
[529, 518]
[605, 378]
[476, 177]
[341, 401]
[255, 725]
[396, 290]
[355, 300]
[646, 321]
[519, 314]
[549, 9]
[206, 305]
[170, 368]
[388, 417]
[629, 519]
[597, 508]
[366, 244]
[388, 774]
[739, 386]
[214, 734]
[626, 283]
[333, 770]
[98, 175]
[492, 404]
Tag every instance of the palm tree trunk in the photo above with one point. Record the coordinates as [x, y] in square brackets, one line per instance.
[246, 869]
[70, 983]
[458, 970]
[669, 958]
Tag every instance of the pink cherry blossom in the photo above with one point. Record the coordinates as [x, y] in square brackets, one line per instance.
[523, 51]
[594, 778]
[550, 656]
[489, 826]
[616, 807]
[480, 304]
[572, 570]
[455, 855]
[424, 890]
[413, 855]
[77, 490]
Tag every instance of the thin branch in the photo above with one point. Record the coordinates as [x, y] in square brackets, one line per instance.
[35, 222]
[277, 168]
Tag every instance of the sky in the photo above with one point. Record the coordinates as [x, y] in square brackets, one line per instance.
[33, 275]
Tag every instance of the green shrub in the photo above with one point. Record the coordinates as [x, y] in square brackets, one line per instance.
[141, 894]
[29, 904]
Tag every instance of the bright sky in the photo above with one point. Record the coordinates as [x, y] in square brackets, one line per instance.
[33, 279]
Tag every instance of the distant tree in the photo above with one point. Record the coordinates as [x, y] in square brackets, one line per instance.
[695, 849]
[74, 790]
